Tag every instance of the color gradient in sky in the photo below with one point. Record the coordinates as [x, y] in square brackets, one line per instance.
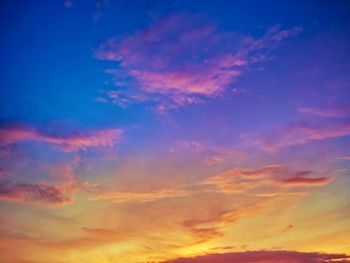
[175, 131]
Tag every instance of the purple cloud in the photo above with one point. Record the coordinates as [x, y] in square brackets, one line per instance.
[33, 193]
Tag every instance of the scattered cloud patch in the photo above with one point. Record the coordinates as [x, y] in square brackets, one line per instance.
[180, 60]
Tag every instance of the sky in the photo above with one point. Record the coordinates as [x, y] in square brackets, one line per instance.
[174, 131]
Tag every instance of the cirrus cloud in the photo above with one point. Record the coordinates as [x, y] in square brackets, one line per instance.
[299, 133]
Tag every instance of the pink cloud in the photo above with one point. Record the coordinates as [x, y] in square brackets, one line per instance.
[37, 193]
[94, 139]
[265, 256]
[298, 134]
[334, 111]
[344, 158]
[180, 57]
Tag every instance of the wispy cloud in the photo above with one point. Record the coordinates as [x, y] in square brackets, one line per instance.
[299, 133]
[211, 155]
[273, 177]
[74, 142]
[306, 181]
[337, 111]
[268, 181]
[124, 196]
[241, 180]
[183, 60]
[287, 229]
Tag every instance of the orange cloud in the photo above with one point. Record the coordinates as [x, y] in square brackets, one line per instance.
[123, 196]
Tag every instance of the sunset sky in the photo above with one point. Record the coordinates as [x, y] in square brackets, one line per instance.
[202, 131]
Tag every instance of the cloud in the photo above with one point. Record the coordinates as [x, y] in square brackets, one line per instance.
[211, 155]
[265, 256]
[306, 181]
[338, 111]
[36, 193]
[287, 229]
[210, 224]
[75, 142]
[127, 196]
[208, 227]
[268, 181]
[181, 59]
[299, 133]
[241, 180]
[344, 158]
[264, 181]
